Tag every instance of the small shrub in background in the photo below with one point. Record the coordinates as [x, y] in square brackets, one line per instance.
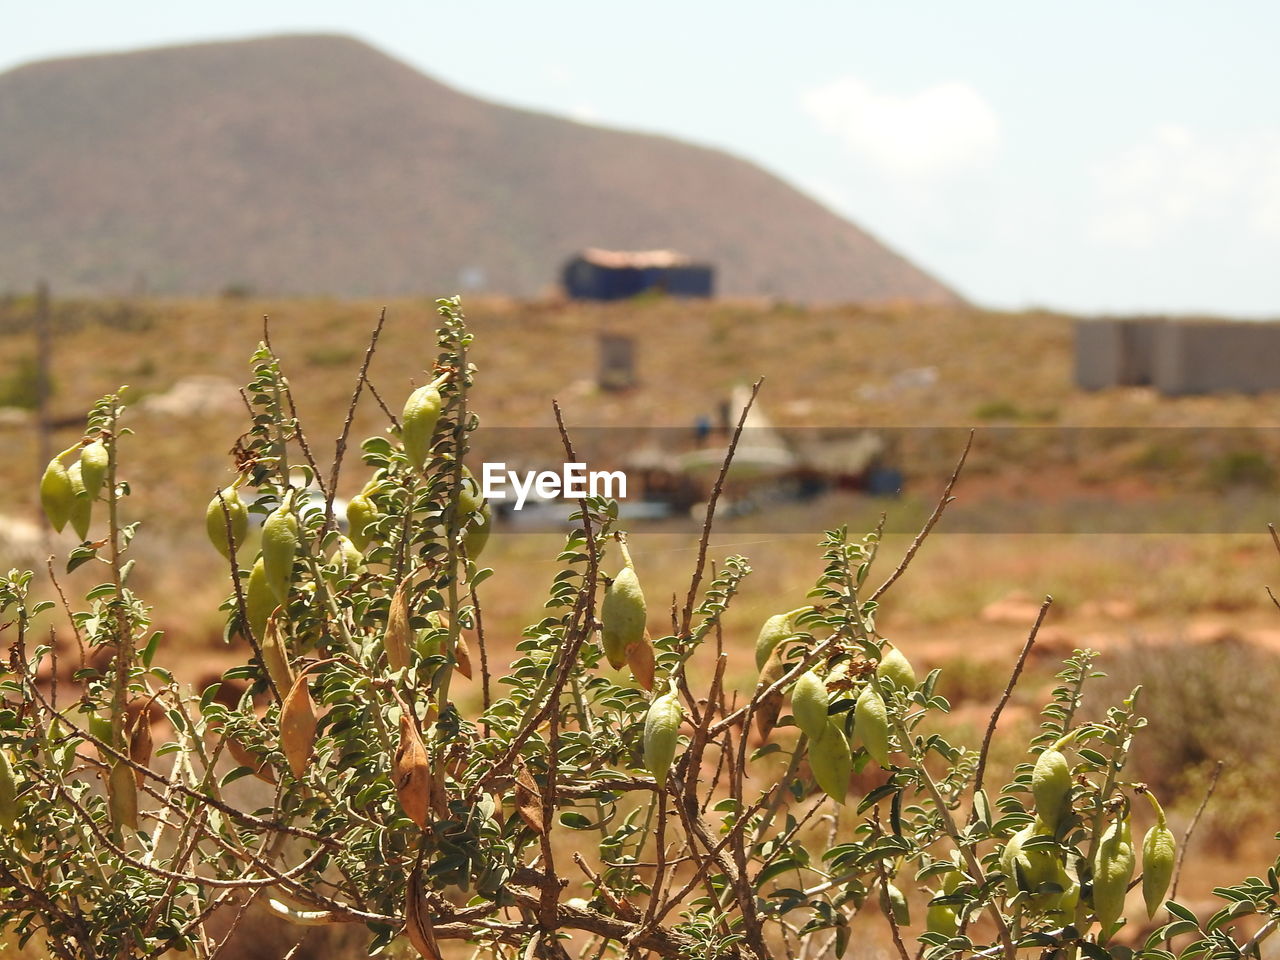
[1206, 703]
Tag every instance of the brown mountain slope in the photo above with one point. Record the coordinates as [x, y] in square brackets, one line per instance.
[317, 164]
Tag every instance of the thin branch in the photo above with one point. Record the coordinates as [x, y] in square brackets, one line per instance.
[383, 404]
[934, 517]
[1008, 692]
[1195, 820]
[340, 447]
[593, 558]
[1266, 930]
[242, 611]
[886, 907]
[687, 614]
[485, 678]
[66, 606]
[300, 435]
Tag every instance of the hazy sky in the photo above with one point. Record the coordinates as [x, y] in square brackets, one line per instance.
[1118, 156]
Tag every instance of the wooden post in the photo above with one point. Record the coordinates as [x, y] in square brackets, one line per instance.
[616, 369]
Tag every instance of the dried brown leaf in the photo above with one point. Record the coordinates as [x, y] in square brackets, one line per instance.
[529, 800]
[413, 773]
[640, 660]
[398, 640]
[298, 726]
[462, 654]
[417, 919]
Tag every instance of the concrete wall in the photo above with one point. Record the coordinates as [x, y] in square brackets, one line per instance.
[1218, 358]
[1099, 354]
[1116, 353]
[1178, 357]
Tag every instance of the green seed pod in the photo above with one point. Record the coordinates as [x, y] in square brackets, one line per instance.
[1159, 854]
[896, 668]
[1040, 871]
[898, 905]
[478, 530]
[100, 727]
[280, 537]
[59, 753]
[1061, 907]
[831, 760]
[429, 642]
[871, 724]
[809, 702]
[1009, 857]
[622, 616]
[1113, 867]
[662, 735]
[56, 493]
[8, 793]
[361, 515]
[775, 630]
[215, 521]
[346, 559]
[942, 918]
[94, 461]
[1051, 787]
[469, 498]
[259, 601]
[418, 423]
[81, 502]
[122, 796]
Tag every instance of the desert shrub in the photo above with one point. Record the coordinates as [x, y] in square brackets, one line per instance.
[20, 384]
[1205, 703]
[1240, 468]
[594, 803]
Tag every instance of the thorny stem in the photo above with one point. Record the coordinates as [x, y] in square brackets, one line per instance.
[700, 564]
[1004, 698]
[340, 447]
[1191, 827]
[953, 831]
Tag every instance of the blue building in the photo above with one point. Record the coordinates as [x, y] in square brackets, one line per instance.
[619, 274]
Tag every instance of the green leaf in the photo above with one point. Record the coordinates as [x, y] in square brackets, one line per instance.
[777, 868]
[1179, 911]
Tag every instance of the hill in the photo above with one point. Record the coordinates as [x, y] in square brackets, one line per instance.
[318, 165]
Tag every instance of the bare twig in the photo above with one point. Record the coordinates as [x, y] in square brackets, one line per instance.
[62, 597]
[395, 422]
[1195, 820]
[242, 611]
[340, 447]
[485, 679]
[1266, 930]
[700, 564]
[1008, 692]
[886, 907]
[934, 517]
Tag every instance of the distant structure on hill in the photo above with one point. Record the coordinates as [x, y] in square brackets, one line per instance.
[619, 274]
[1178, 357]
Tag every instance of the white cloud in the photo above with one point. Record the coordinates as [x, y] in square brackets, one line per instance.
[941, 130]
[1176, 183]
